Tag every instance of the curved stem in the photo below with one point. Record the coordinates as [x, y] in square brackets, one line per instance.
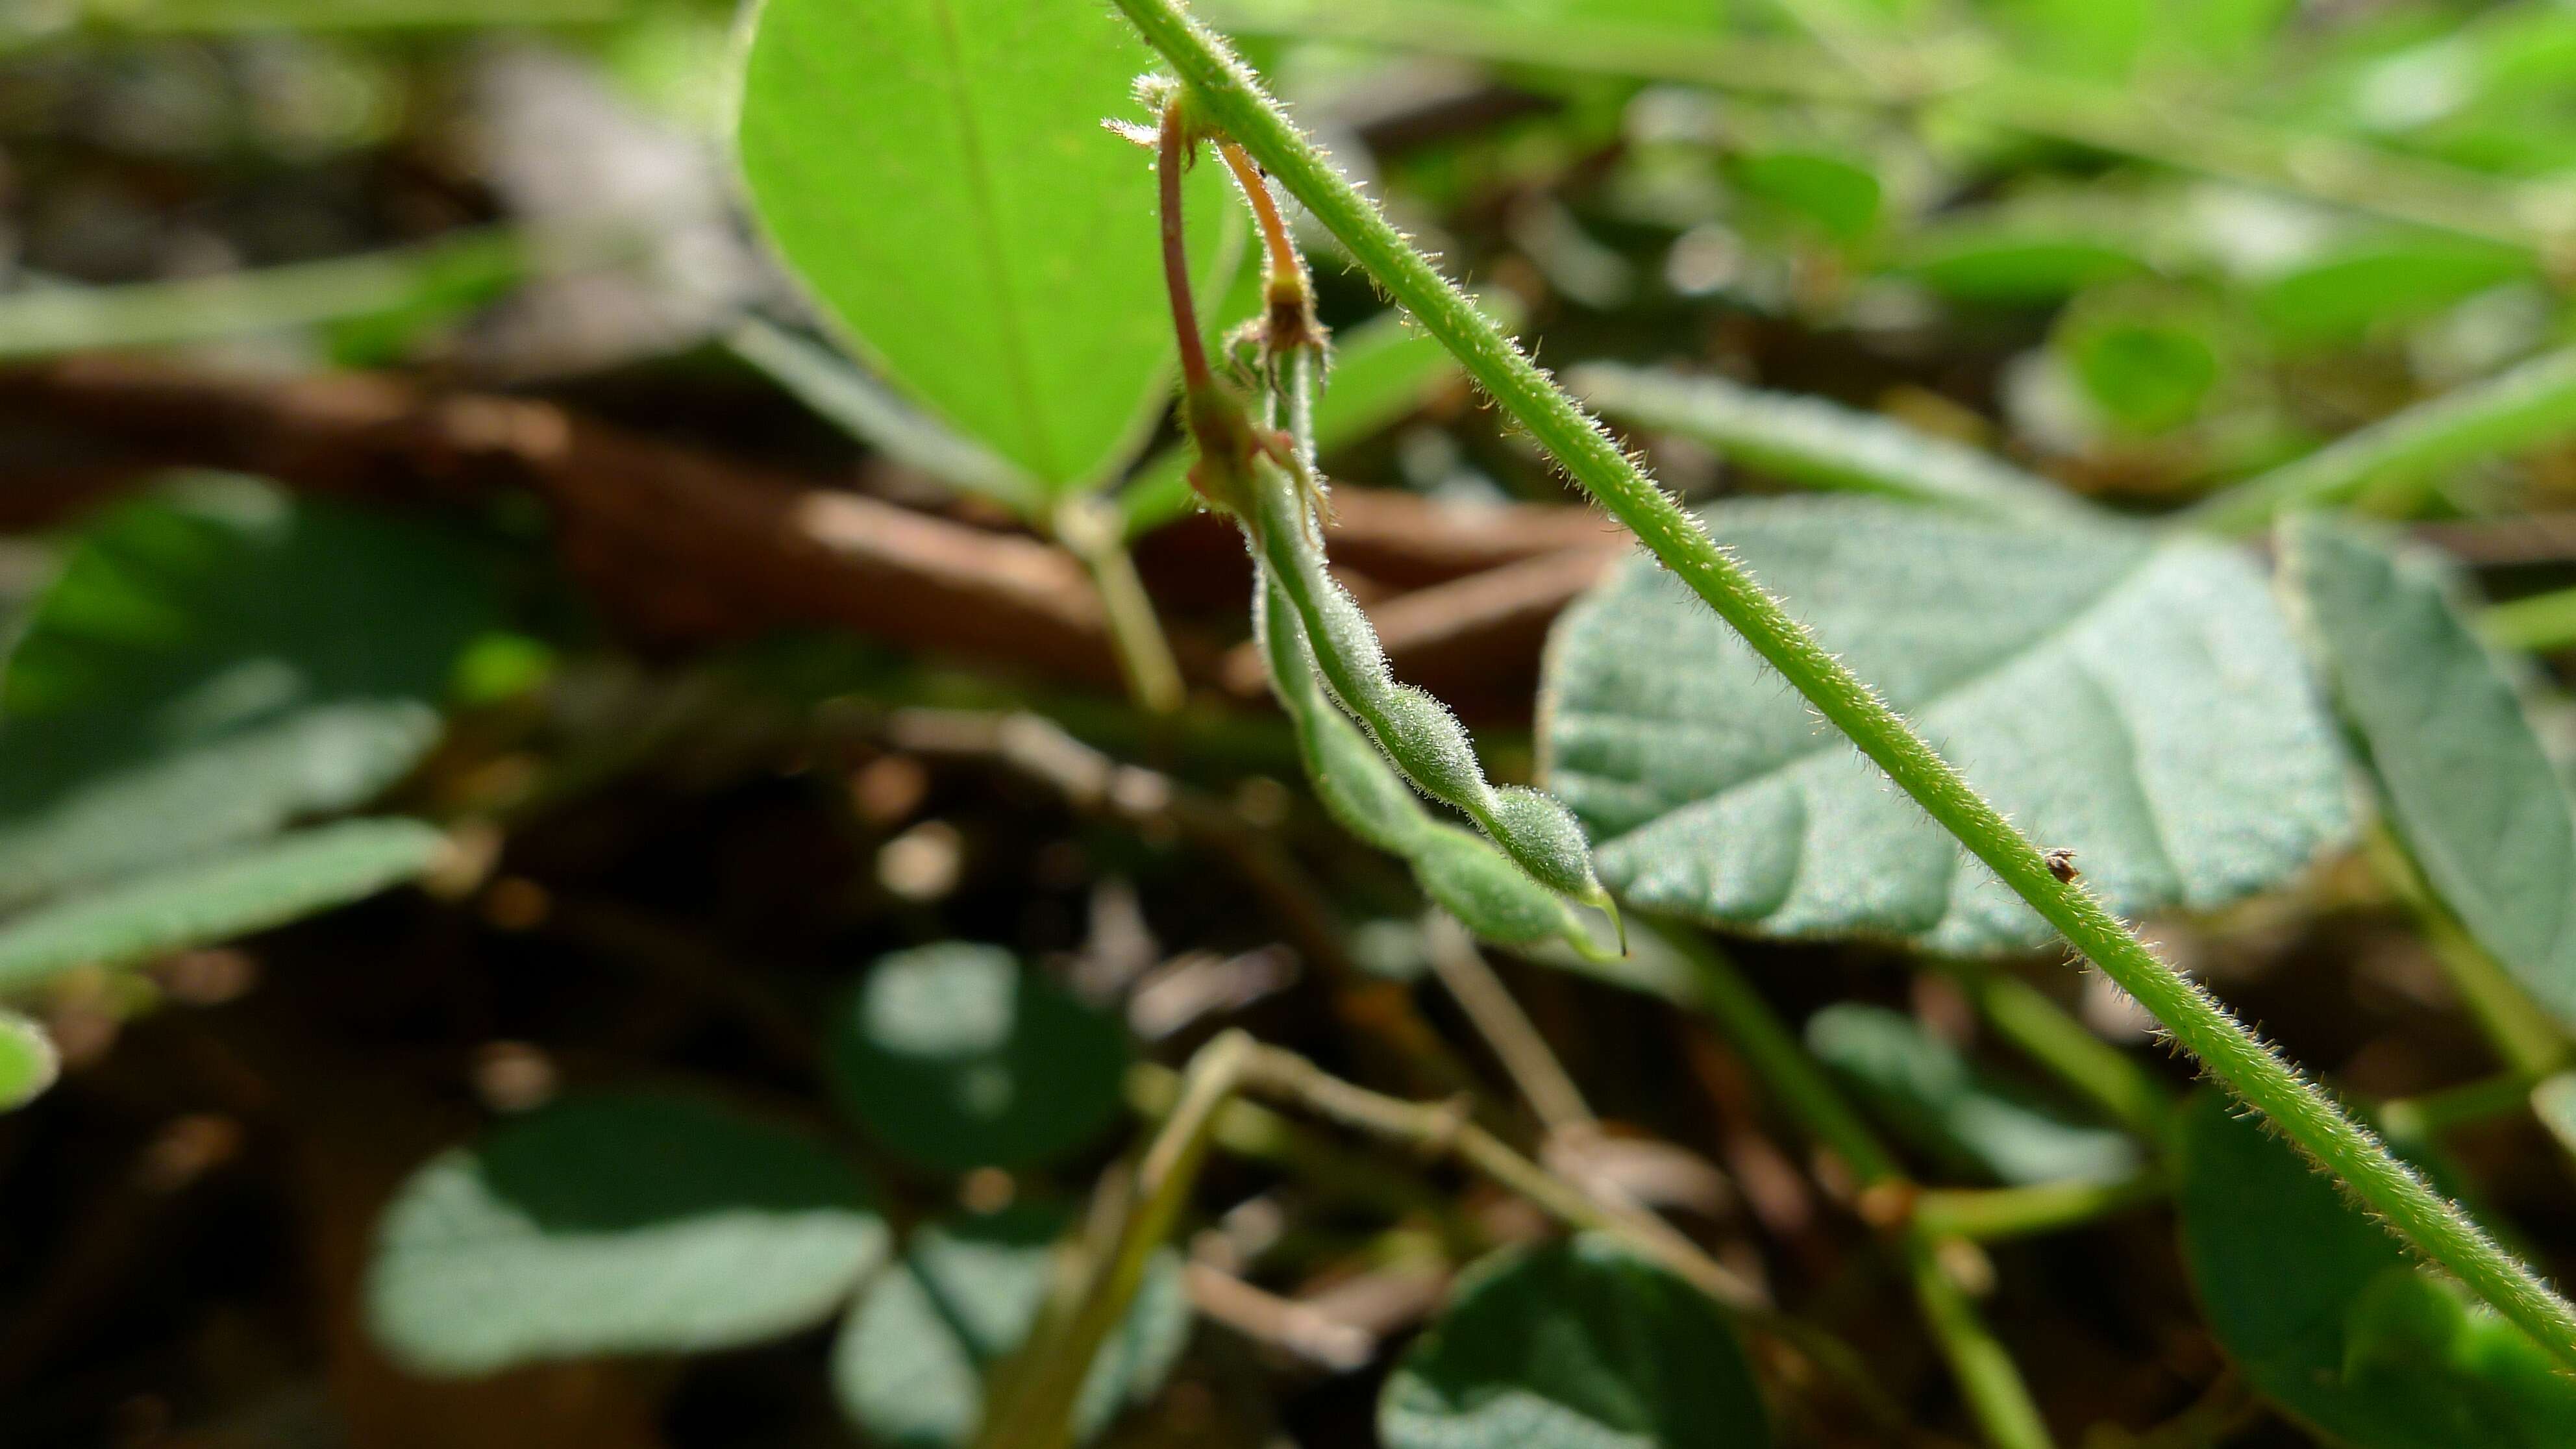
[1170, 151]
[2248, 1066]
[1089, 527]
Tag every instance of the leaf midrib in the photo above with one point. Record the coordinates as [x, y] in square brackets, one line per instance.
[980, 188]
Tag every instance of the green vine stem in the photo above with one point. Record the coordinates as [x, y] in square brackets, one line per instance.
[1989, 1382]
[1232, 100]
[2521, 407]
[1986, 1214]
[2041, 1030]
[1089, 527]
[1033, 1403]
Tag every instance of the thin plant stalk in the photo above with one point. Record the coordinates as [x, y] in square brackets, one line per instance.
[2542, 623]
[1036, 1412]
[1988, 1381]
[2423, 1118]
[1517, 1044]
[2041, 1030]
[1089, 527]
[1232, 100]
[2522, 407]
[1987, 1214]
[2527, 1038]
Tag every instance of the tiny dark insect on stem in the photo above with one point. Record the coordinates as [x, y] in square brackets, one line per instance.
[2061, 863]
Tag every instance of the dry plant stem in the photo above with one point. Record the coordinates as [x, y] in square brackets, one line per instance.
[1092, 782]
[1249, 1130]
[1443, 1127]
[1230, 98]
[1515, 1039]
[1037, 1411]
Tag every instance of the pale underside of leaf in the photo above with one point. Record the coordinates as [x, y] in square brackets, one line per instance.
[2468, 786]
[245, 889]
[617, 1224]
[2136, 701]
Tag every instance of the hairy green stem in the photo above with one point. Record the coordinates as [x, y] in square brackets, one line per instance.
[1233, 100]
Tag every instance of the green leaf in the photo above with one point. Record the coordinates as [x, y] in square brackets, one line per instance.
[28, 1061]
[959, 1058]
[1924, 1090]
[1576, 1345]
[2150, 376]
[1810, 440]
[216, 661]
[2325, 1315]
[911, 1361]
[937, 172]
[412, 285]
[1835, 194]
[233, 892]
[2466, 784]
[635, 1223]
[2339, 298]
[2008, 266]
[2132, 698]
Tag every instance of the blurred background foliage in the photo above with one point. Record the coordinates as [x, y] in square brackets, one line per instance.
[554, 611]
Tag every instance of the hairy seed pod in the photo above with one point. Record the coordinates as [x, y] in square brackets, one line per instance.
[1414, 729]
[1460, 871]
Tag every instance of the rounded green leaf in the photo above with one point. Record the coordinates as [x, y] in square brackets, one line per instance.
[2328, 1318]
[2149, 375]
[910, 1364]
[1832, 193]
[2467, 785]
[215, 661]
[959, 1058]
[617, 1224]
[937, 172]
[2134, 699]
[28, 1061]
[1577, 1345]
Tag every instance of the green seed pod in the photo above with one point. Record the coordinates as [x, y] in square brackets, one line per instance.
[1460, 871]
[1467, 877]
[1414, 729]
